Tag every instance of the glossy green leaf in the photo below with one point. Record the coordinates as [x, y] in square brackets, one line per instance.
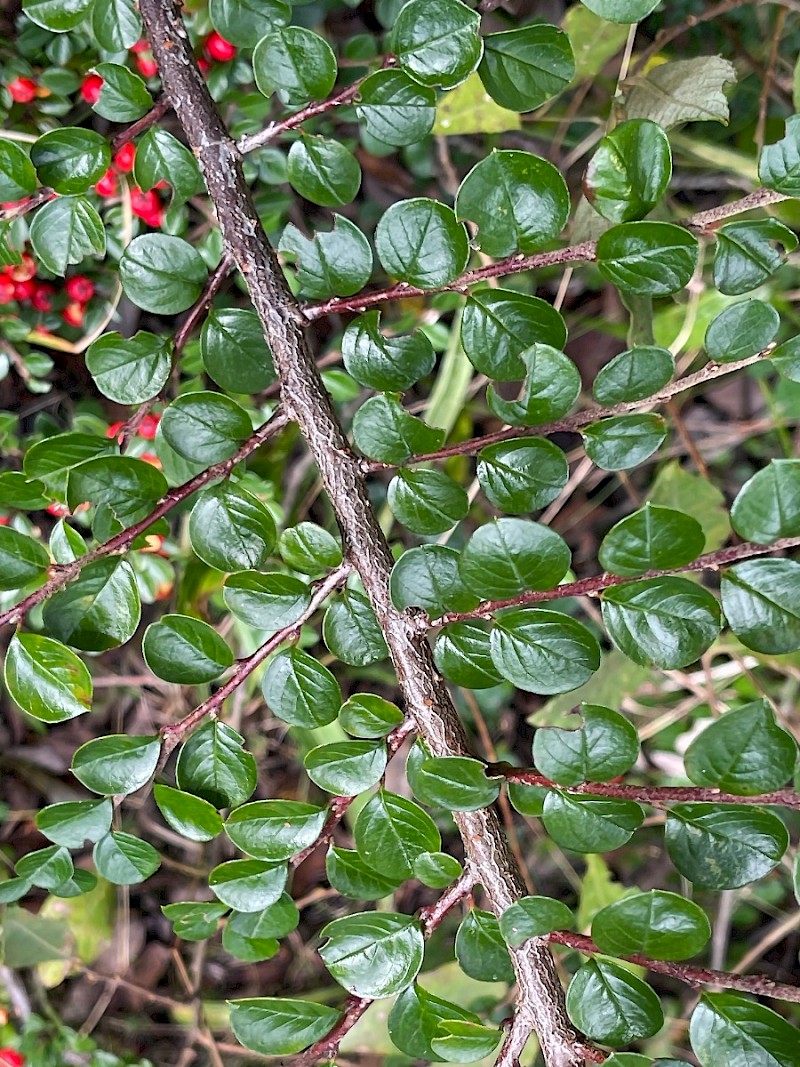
[609, 1004]
[390, 832]
[368, 715]
[351, 876]
[310, 549]
[46, 868]
[527, 799]
[524, 67]
[534, 917]
[243, 21]
[395, 109]
[213, 765]
[420, 241]
[65, 231]
[117, 764]
[230, 529]
[73, 822]
[621, 10]
[333, 263]
[275, 1026]
[194, 921]
[586, 823]
[373, 954]
[160, 157]
[456, 783]
[760, 601]
[480, 949]
[346, 768]
[385, 431]
[731, 1030]
[188, 815]
[647, 258]
[661, 925]
[116, 24]
[205, 427]
[99, 610]
[296, 64]
[498, 325]
[248, 949]
[248, 885]
[510, 556]
[17, 175]
[741, 330]
[437, 869]
[427, 501]
[46, 679]
[518, 201]
[22, 559]
[278, 920]
[274, 830]
[351, 631]
[652, 538]
[54, 456]
[385, 362]
[463, 655]
[552, 385]
[464, 1042]
[629, 172]
[57, 15]
[767, 506]
[634, 374]
[269, 601]
[779, 163]
[17, 491]
[428, 577]
[623, 441]
[70, 159]
[744, 752]
[415, 1020]
[543, 651]
[234, 329]
[437, 41]
[668, 622]
[127, 487]
[724, 846]
[746, 256]
[523, 475]
[162, 274]
[604, 746]
[123, 96]
[323, 171]
[129, 370]
[184, 650]
[124, 859]
[300, 690]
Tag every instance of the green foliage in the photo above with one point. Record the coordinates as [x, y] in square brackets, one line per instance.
[536, 444]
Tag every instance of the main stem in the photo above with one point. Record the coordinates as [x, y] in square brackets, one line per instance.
[541, 996]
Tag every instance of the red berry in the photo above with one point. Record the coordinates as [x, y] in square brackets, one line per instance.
[114, 430]
[203, 65]
[148, 427]
[24, 290]
[141, 46]
[22, 90]
[79, 288]
[6, 290]
[124, 159]
[20, 272]
[9, 1057]
[146, 206]
[218, 48]
[107, 186]
[57, 509]
[73, 313]
[3, 522]
[148, 67]
[41, 298]
[91, 87]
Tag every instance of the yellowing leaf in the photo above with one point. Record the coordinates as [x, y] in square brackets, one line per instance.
[469, 109]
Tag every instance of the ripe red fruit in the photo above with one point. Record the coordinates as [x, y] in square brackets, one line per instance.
[203, 65]
[3, 522]
[24, 290]
[57, 509]
[218, 48]
[79, 288]
[73, 313]
[107, 186]
[148, 67]
[141, 46]
[91, 87]
[6, 290]
[148, 427]
[124, 159]
[147, 206]
[9, 1057]
[20, 272]
[114, 430]
[22, 90]
[41, 298]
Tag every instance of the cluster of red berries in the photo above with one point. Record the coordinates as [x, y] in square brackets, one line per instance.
[147, 428]
[19, 282]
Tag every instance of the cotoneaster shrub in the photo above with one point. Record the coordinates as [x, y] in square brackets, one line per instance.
[308, 284]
